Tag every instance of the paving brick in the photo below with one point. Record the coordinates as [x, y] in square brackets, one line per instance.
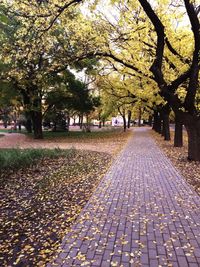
[140, 210]
[144, 259]
[182, 261]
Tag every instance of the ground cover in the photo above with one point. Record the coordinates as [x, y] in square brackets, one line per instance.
[108, 140]
[178, 155]
[13, 158]
[39, 203]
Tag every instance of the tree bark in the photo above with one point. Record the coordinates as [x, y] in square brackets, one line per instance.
[139, 117]
[37, 124]
[193, 131]
[166, 128]
[178, 135]
[19, 126]
[129, 119]
[124, 122]
[28, 123]
[81, 121]
[155, 114]
[68, 123]
[157, 122]
[5, 124]
[165, 111]
[150, 121]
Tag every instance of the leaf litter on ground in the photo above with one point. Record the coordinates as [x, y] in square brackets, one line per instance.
[178, 156]
[40, 203]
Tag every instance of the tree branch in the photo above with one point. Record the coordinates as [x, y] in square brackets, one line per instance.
[60, 11]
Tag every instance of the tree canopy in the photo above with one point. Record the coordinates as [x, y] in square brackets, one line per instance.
[150, 48]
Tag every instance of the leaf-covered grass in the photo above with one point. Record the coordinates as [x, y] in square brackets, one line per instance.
[82, 135]
[17, 158]
[40, 203]
[6, 130]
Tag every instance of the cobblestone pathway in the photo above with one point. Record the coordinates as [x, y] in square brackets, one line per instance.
[142, 214]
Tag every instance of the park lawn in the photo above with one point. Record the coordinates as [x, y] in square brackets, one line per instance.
[4, 130]
[14, 158]
[178, 155]
[8, 130]
[40, 203]
[80, 136]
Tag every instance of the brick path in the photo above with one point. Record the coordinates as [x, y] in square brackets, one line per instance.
[142, 214]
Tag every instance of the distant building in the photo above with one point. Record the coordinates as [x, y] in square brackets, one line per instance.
[117, 121]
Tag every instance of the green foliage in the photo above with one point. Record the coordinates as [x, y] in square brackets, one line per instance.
[18, 158]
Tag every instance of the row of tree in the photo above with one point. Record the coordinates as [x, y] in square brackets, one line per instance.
[158, 45]
[148, 56]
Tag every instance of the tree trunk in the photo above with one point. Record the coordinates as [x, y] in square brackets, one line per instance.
[129, 119]
[178, 135]
[165, 111]
[162, 126]
[159, 125]
[28, 125]
[193, 131]
[139, 117]
[68, 123]
[166, 128]
[150, 121]
[155, 115]
[15, 122]
[28, 116]
[37, 124]
[99, 118]
[103, 122]
[5, 124]
[81, 121]
[124, 122]
[19, 126]
[157, 122]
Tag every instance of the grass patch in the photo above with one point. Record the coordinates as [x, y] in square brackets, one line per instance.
[81, 135]
[18, 158]
[4, 130]
[9, 130]
[49, 135]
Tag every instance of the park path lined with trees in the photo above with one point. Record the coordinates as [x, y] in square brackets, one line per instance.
[93, 60]
[142, 214]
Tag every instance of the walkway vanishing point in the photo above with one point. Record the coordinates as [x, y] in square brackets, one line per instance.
[143, 213]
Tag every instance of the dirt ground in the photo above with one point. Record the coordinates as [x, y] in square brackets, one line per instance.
[109, 145]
